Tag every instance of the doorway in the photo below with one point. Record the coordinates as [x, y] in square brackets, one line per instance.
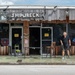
[16, 39]
[47, 38]
[34, 40]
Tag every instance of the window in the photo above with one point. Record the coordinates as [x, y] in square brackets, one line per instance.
[58, 30]
[4, 34]
[71, 31]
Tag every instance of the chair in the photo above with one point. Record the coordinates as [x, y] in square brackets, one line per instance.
[51, 49]
[16, 47]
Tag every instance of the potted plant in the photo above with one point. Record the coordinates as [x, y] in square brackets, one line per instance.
[18, 52]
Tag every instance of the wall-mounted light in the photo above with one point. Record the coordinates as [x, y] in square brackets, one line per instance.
[67, 19]
[5, 8]
[4, 15]
[54, 10]
[67, 12]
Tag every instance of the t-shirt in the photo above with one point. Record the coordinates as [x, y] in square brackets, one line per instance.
[65, 40]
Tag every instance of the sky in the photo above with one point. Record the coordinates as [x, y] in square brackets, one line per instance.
[38, 2]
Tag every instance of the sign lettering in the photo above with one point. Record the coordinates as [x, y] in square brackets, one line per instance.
[25, 15]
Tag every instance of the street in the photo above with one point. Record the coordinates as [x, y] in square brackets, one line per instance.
[37, 70]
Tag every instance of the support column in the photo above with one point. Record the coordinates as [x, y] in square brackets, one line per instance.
[26, 37]
[67, 19]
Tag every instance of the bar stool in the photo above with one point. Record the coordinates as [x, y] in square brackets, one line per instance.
[54, 48]
[51, 49]
[48, 50]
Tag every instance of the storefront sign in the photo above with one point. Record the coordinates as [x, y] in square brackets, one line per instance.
[25, 15]
[21, 14]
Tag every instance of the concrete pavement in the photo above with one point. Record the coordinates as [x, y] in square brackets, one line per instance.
[34, 60]
[37, 70]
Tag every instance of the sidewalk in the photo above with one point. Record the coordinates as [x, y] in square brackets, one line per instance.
[32, 60]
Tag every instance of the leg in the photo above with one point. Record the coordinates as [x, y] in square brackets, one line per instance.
[63, 50]
[47, 51]
[68, 50]
[68, 53]
[51, 52]
[63, 53]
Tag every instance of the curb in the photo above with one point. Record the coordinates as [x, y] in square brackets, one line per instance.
[35, 64]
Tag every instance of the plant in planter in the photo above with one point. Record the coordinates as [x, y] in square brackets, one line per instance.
[18, 52]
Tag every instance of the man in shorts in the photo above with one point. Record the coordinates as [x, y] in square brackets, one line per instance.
[65, 43]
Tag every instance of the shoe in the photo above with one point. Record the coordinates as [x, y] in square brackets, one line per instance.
[68, 57]
[63, 58]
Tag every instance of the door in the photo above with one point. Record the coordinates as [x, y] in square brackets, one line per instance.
[34, 40]
[16, 39]
[47, 38]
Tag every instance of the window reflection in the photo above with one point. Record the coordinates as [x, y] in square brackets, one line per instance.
[58, 30]
[71, 32]
[4, 34]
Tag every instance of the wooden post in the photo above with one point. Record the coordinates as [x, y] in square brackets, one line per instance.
[26, 37]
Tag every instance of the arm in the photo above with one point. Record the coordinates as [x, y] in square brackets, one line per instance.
[69, 42]
[61, 42]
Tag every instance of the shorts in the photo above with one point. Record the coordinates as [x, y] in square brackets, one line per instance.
[65, 47]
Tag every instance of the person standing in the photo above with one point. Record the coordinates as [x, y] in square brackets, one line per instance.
[65, 43]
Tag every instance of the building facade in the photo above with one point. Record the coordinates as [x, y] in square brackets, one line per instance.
[31, 28]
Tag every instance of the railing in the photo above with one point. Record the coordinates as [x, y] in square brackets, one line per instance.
[58, 50]
[26, 48]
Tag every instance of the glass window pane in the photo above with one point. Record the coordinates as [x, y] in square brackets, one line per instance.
[4, 34]
[71, 32]
[44, 45]
[46, 34]
[58, 30]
